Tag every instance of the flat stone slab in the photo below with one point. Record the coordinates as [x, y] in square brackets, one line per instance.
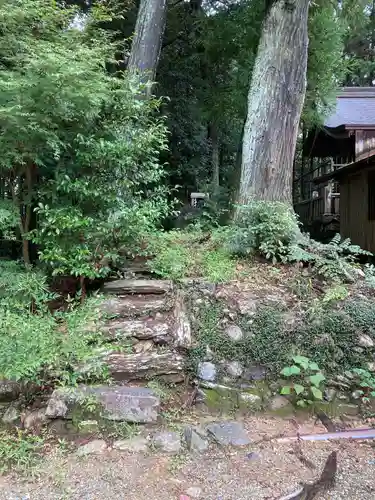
[133, 306]
[130, 404]
[134, 444]
[228, 433]
[94, 447]
[126, 367]
[157, 329]
[126, 287]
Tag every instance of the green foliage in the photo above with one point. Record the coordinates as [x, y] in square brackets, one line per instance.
[37, 345]
[365, 380]
[266, 228]
[77, 143]
[19, 451]
[306, 381]
[181, 254]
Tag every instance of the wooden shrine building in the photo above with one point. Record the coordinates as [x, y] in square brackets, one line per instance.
[334, 189]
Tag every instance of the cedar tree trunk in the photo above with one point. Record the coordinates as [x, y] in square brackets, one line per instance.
[149, 31]
[275, 102]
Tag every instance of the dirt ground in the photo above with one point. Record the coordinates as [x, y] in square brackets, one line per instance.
[264, 470]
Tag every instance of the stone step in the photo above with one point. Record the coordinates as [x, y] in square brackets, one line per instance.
[137, 286]
[156, 329]
[130, 404]
[168, 366]
[134, 305]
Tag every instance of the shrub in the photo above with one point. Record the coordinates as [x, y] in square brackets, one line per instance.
[36, 345]
[265, 228]
[190, 253]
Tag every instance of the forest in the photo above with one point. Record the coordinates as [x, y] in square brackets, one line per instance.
[113, 112]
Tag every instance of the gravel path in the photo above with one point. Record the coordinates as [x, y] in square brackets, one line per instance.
[272, 470]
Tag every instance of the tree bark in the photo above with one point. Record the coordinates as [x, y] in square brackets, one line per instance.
[149, 31]
[275, 101]
[215, 155]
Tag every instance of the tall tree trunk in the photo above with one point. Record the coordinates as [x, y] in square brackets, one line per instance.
[149, 30]
[275, 101]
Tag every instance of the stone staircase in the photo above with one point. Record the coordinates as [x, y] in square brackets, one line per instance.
[149, 317]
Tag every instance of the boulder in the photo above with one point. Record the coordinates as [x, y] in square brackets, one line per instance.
[126, 287]
[156, 329]
[133, 306]
[279, 402]
[365, 340]
[130, 404]
[94, 447]
[126, 367]
[167, 441]
[228, 433]
[207, 371]
[254, 373]
[234, 369]
[234, 332]
[11, 415]
[182, 327]
[35, 419]
[195, 439]
[9, 390]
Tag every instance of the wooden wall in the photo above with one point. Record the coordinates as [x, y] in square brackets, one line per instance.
[364, 144]
[354, 220]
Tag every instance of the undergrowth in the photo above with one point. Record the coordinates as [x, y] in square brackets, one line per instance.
[194, 252]
[19, 451]
[38, 345]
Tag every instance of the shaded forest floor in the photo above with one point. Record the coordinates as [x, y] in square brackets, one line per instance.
[263, 470]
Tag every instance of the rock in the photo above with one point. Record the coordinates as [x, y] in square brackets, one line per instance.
[228, 433]
[88, 426]
[194, 492]
[35, 419]
[167, 441]
[255, 372]
[356, 395]
[207, 371]
[204, 287]
[125, 287]
[234, 332]
[147, 328]
[9, 390]
[182, 327]
[330, 394]
[11, 415]
[209, 356]
[250, 401]
[135, 444]
[371, 366]
[365, 341]
[195, 439]
[278, 403]
[94, 447]
[234, 369]
[347, 409]
[143, 346]
[127, 367]
[133, 305]
[130, 404]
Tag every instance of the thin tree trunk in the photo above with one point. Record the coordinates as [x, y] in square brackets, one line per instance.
[215, 155]
[275, 101]
[149, 31]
